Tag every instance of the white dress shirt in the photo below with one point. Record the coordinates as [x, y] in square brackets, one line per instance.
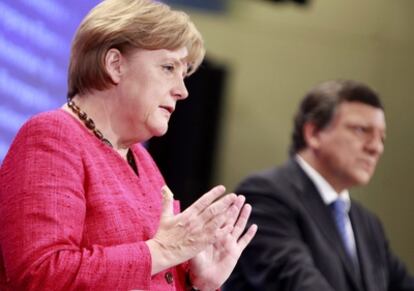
[329, 195]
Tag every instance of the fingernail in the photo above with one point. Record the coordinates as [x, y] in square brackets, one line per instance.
[166, 192]
[221, 187]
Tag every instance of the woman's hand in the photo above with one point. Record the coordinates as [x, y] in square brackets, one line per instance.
[180, 237]
[210, 268]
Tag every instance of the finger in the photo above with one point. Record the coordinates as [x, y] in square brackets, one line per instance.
[223, 214]
[242, 220]
[221, 206]
[204, 201]
[240, 202]
[247, 237]
[214, 228]
[167, 202]
[223, 232]
[234, 214]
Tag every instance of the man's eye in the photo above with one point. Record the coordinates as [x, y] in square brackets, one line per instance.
[360, 129]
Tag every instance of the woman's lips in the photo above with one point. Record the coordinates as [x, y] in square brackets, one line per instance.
[169, 109]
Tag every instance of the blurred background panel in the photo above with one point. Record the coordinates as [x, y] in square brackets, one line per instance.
[263, 55]
[206, 5]
[34, 51]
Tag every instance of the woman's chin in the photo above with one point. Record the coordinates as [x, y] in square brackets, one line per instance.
[160, 131]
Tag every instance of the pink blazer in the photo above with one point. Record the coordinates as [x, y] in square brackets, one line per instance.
[74, 216]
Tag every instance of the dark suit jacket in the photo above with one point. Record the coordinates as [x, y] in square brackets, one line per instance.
[298, 247]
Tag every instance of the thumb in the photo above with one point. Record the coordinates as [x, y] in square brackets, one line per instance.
[167, 202]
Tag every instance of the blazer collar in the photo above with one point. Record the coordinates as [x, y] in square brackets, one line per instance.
[327, 192]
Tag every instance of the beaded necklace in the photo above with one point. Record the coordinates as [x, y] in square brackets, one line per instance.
[90, 124]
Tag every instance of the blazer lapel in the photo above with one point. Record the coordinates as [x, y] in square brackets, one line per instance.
[313, 203]
[365, 263]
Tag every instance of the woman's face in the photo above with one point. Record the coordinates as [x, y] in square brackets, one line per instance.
[150, 84]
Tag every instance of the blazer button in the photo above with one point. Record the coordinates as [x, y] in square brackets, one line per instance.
[169, 277]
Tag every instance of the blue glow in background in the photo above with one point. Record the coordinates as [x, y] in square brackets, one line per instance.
[35, 37]
[35, 41]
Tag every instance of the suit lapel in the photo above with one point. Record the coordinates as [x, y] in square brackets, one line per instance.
[365, 262]
[314, 205]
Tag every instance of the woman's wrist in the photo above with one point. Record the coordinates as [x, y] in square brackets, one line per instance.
[160, 257]
[189, 283]
[193, 284]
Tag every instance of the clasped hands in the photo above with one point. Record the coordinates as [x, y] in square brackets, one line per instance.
[208, 234]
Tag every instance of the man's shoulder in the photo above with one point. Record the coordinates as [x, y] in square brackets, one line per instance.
[273, 180]
[276, 173]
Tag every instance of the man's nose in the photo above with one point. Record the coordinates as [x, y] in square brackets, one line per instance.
[375, 145]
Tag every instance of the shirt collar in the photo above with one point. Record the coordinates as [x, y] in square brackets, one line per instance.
[326, 191]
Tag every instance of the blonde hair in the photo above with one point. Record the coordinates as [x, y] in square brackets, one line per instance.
[127, 24]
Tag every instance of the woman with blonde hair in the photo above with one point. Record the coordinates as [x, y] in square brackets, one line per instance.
[82, 203]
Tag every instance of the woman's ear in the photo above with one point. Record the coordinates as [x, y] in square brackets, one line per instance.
[311, 135]
[113, 64]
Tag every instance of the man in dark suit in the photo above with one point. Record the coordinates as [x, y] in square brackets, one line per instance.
[311, 235]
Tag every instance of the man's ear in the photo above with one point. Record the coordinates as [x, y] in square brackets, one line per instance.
[311, 134]
[113, 64]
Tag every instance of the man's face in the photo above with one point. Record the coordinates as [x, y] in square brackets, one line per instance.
[348, 149]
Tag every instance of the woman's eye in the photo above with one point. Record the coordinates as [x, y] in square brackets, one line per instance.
[169, 68]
